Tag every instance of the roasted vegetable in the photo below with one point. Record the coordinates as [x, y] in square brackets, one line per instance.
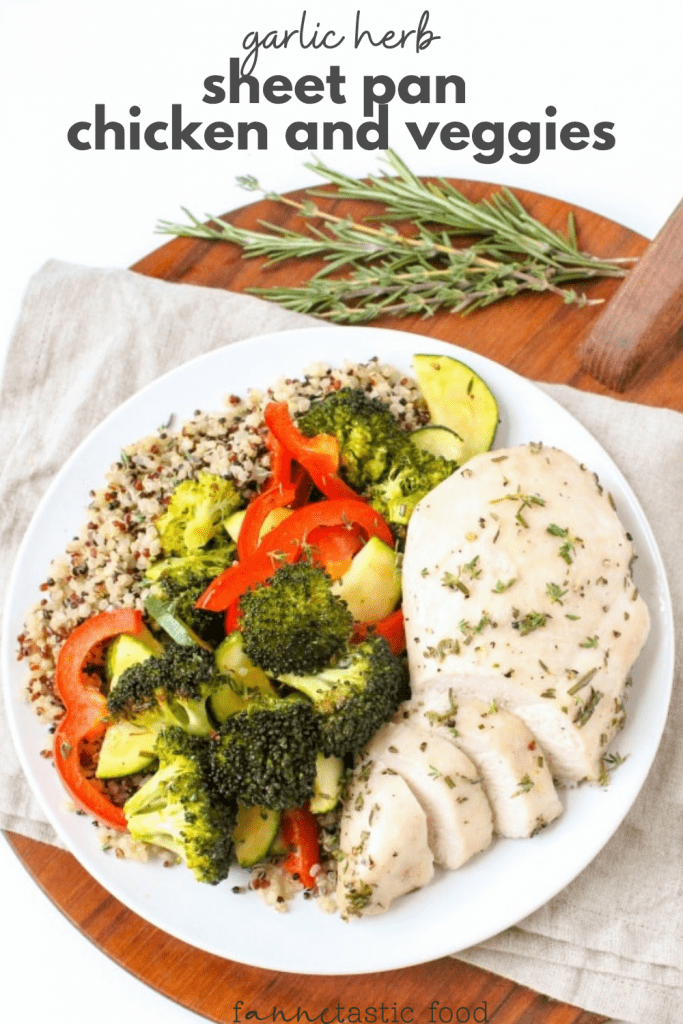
[266, 753]
[177, 808]
[178, 581]
[376, 455]
[196, 513]
[171, 690]
[294, 622]
[354, 697]
[85, 718]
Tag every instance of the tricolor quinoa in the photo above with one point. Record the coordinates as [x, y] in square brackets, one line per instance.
[103, 568]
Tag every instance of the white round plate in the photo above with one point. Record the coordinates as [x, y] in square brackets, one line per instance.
[459, 909]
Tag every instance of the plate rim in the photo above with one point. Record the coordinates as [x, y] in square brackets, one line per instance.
[406, 342]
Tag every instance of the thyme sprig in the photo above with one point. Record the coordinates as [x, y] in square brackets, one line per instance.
[387, 271]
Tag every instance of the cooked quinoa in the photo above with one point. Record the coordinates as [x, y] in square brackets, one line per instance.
[103, 567]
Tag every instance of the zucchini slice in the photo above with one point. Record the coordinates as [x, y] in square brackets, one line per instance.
[439, 441]
[242, 679]
[459, 399]
[233, 524]
[127, 650]
[254, 833]
[273, 519]
[126, 749]
[329, 776]
[371, 586]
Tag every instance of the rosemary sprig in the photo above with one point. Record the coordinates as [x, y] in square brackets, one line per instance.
[502, 218]
[389, 272]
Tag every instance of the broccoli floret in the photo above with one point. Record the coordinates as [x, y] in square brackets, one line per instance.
[179, 581]
[377, 457]
[196, 513]
[294, 622]
[171, 690]
[266, 753]
[413, 474]
[176, 808]
[356, 696]
[183, 572]
[368, 435]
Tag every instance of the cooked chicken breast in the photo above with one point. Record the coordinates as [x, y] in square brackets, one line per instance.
[513, 767]
[383, 842]
[447, 785]
[517, 589]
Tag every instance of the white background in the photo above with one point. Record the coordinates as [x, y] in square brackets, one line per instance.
[594, 60]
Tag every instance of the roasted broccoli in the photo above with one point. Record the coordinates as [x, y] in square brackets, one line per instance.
[355, 696]
[412, 475]
[368, 435]
[377, 457]
[171, 690]
[178, 581]
[196, 514]
[176, 808]
[294, 622]
[266, 753]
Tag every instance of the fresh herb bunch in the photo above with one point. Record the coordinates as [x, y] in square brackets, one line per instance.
[388, 272]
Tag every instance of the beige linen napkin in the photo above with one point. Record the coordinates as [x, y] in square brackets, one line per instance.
[611, 942]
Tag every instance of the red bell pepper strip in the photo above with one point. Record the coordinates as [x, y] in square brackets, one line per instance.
[85, 718]
[296, 529]
[232, 618]
[288, 485]
[319, 455]
[285, 543]
[334, 547]
[300, 836]
[392, 628]
[280, 460]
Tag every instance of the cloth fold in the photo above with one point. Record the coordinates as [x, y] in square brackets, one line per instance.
[88, 338]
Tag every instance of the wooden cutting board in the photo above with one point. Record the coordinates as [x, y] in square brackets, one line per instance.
[535, 335]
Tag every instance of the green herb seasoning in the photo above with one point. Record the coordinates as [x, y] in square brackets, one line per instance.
[453, 582]
[469, 631]
[567, 550]
[530, 622]
[501, 586]
[584, 713]
[525, 501]
[524, 785]
[555, 593]
[387, 272]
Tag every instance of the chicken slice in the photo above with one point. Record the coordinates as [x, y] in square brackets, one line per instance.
[384, 852]
[517, 589]
[514, 769]
[447, 785]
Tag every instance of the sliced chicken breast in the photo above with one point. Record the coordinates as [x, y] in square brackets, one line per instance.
[447, 785]
[517, 589]
[383, 842]
[513, 767]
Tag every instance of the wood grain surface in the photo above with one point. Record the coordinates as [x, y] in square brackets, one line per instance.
[645, 321]
[535, 335]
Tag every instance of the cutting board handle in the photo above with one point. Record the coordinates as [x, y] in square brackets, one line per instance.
[643, 323]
